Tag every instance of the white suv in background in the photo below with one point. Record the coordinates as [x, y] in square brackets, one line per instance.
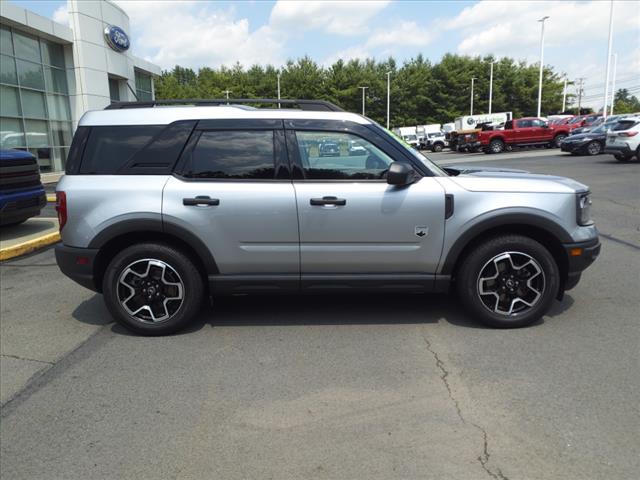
[623, 140]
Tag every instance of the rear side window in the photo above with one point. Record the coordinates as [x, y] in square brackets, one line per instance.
[109, 148]
[624, 125]
[233, 154]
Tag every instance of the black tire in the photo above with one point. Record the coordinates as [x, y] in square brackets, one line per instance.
[622, 158]
[593, 148]
[436, 148]
[558, 139]
[496, 146]
[638, 154]
[480, 261]
[180, 270]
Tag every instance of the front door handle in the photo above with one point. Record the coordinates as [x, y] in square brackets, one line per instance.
[328, 201]
[200, 200]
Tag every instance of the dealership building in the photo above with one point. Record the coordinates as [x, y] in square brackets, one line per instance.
[51, 74]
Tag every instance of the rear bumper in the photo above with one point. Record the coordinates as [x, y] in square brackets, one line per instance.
[577, 264]
[20, 206]
[619, 150]
[78, 264]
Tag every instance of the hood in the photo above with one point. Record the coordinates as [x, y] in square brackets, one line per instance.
[582, 136]
[491, 179]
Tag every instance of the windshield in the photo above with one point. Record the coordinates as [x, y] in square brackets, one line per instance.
[599, 129]
[575, 120]
[431, 135]
[432, 167]
[409, 138]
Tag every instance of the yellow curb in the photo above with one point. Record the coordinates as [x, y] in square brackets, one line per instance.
[29, 246]
[51, 197]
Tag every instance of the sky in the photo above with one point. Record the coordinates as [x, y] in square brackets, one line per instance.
[198, 33]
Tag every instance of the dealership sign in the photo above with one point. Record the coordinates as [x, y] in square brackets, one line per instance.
[116, 38]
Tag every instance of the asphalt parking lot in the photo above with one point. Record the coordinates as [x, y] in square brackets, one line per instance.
[371, 387]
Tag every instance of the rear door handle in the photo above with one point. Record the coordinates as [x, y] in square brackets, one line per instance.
[328, 201]
[200, 200]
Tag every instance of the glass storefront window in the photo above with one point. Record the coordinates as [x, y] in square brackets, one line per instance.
[9, 102]
[143, 86]
[43, 154]
[58, 106]
[37, 134]
[6, 45]
[52, 54]
[26, 47]
[11, 133]
[61, 133]
[56, 80]
[30, 74]
[8, 70]
[33, 104]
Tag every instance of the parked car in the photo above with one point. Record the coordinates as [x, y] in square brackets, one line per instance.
[435, 141]
[589, 143]
[356, 149]
[329, 149]
[162, 207]
[521, 132]
[411, 140]
[623, 140]
[22, 195]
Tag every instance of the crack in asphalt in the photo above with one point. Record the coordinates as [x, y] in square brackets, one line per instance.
[25, 358]
[617, 240]
[485, 456]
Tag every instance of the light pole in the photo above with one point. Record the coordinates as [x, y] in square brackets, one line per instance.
[472, 80]
[541, 64]
[606, 83]
[228, 92]
[278, 77]
[613, 83]
[491, 85]
[564, 95]
[363, 89]
[388, 97]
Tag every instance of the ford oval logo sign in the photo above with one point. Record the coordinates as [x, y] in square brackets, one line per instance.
[116, 38]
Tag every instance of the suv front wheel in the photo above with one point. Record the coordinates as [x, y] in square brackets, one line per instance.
[153, 289]
[508, 281]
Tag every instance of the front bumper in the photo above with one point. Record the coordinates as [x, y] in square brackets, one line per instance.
[20, 206]
[579, 257]
[572, 146]
[78, 264]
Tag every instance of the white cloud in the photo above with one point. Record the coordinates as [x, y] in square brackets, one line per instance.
[336, 17]
[406, 34]
[193, 34]
[61, 14]
[503, 28]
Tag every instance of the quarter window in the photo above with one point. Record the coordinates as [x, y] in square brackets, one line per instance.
[340, 156]
[233, 154]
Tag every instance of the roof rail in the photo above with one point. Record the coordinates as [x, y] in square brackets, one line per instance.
[312, 105]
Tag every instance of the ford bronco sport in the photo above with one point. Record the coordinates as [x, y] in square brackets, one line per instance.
[163, 206]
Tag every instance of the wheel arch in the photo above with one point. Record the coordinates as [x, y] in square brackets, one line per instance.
[541, 229]
[116, 237]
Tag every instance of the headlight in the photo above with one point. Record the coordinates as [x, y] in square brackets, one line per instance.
[584, 209]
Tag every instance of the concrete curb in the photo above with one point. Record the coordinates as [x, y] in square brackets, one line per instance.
[29, 246]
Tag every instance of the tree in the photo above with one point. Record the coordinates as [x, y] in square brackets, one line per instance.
[624, 102]
[421, 92]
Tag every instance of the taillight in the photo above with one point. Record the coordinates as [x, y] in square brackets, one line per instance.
[627, 134]
[61, 208]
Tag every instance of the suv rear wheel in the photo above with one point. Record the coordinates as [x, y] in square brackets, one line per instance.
[508, 281]
[153, 289]
[496, 146]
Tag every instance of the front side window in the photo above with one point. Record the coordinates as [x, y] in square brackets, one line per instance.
[233, 154]
[340, 156]
[524, 123]
[537, 123]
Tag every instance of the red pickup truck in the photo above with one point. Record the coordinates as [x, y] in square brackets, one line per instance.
[520, 132]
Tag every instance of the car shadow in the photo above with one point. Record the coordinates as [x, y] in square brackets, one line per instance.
[343, 309]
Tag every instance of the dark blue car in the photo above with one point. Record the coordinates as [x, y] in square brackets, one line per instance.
[21, 193]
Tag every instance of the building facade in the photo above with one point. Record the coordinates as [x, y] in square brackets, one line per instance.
[51, 74]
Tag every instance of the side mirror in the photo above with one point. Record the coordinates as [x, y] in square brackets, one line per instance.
[400, 174]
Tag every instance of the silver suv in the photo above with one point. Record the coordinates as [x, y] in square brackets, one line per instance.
[163, 206]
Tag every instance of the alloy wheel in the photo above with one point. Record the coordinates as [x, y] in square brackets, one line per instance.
[594, 148]
[150, 290]
[510, 283]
